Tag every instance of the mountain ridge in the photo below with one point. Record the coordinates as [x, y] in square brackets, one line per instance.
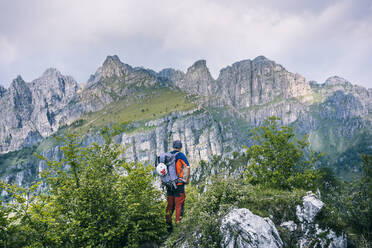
[112, 59]
[210, 116]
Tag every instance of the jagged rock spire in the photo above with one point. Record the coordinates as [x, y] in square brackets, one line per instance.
[112, 66]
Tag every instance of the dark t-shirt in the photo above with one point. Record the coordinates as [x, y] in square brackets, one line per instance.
[176, 192]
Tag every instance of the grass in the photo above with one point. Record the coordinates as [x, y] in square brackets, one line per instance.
[145, 105]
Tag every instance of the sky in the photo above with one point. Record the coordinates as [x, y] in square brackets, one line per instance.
[317, 38]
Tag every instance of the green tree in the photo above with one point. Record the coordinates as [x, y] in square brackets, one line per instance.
[278, 159]
[349, 205]
[93, 199]
[360, 201]
[16, 219]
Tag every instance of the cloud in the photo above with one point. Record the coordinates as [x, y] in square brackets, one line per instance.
[314, 38]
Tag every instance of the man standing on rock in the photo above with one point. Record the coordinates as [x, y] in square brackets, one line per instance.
[176, 198]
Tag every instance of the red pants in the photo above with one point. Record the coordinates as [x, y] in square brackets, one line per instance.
[175, 203]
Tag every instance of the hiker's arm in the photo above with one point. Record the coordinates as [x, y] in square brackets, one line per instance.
[188, 175]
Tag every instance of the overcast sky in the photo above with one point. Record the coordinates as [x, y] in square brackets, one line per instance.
[315, 38]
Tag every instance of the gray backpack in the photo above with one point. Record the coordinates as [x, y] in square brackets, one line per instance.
[170, 179]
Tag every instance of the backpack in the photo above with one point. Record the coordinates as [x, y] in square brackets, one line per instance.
[170, 179]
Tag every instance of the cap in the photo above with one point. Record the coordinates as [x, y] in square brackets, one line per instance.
[177, 144]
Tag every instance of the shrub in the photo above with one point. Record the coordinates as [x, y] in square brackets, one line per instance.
[94, 199]
[349, 206]
[277, 159]
[205, 209]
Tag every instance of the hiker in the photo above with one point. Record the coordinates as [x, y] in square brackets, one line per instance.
[176, 197]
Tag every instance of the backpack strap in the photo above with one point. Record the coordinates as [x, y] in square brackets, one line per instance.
[162, 158]
[179, 174]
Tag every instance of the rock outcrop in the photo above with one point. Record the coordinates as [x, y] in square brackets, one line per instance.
[243, 84]
[310, 208]
[198, 80]
[259, 81]
[241, 228]
[307, 232]
[112, 67]
[30, 111]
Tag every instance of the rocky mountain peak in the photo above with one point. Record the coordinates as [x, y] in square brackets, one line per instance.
[51, 72]
[111, 67]
[336, 80]
[261, 58]
[18, 83]
[259, 81]
[33, 110]
[52, 82]
[263, 61]
[21, 100]
[266, 65]
[18, 79]
[112, 60]
[198, 79]
[199, 65]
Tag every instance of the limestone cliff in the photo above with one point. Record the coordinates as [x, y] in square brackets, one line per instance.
[30, 111]
[243, 95]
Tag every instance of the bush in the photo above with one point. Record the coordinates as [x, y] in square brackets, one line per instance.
[278, 160]
[205, 209]
[349, 205]
[94, 199]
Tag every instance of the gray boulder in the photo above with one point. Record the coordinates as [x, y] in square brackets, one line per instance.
[310, 208]
[241, 228]
[310, 234]
[314, 236]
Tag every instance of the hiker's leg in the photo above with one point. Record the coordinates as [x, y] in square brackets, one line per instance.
[170, 209]
[179, 205]
[183, 208]
[183, 204]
